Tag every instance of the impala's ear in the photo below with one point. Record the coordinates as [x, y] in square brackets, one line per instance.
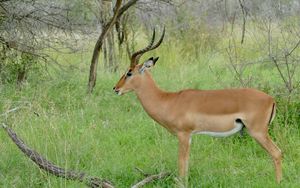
[148, 64]
[154, 60]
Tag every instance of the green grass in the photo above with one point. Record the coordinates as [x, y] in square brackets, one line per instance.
[107, 135]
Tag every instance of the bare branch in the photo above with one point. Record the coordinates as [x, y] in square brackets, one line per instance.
[125, 7]
[294, 48]
[244, 20]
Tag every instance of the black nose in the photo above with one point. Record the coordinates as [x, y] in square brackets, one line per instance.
[114, 88]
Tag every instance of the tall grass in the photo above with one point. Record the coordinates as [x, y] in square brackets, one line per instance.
[106, 135]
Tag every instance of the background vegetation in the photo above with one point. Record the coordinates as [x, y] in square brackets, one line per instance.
[46, 51]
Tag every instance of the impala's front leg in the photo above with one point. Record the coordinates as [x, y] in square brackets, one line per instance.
[183, 155]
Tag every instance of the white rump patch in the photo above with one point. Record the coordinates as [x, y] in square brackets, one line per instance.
[237, 128]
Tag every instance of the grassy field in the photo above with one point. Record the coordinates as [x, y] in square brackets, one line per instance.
[108, 136]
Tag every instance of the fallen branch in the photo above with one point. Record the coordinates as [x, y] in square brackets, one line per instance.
[90, 181]
[53, 169]
[151, 178]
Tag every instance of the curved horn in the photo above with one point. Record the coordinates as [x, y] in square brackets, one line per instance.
[134, 56]
[159, 41]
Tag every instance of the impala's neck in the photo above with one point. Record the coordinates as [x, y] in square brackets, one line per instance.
[152, 98]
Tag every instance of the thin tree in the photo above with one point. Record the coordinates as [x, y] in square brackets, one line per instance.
[118, 11]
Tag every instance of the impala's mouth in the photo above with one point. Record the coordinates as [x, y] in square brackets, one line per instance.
[117, 91]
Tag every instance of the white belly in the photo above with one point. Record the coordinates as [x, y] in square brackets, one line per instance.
[237, 127]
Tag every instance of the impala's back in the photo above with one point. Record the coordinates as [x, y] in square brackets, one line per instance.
[219, 110]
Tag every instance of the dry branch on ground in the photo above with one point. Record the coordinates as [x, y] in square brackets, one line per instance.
[51, 168]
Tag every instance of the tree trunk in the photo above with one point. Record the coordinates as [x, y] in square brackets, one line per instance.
[111, 53]
[21, 77]
[105, 54]
[98, 46]
[94, 62]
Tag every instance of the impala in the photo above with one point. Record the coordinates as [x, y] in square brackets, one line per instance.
[217, 113]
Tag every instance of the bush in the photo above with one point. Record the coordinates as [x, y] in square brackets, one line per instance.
[15, 66]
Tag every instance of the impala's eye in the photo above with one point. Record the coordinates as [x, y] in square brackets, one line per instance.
[129, 74]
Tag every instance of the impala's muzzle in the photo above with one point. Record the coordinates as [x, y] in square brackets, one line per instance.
[117, 91]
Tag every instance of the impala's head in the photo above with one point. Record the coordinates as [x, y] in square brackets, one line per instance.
[134, 74]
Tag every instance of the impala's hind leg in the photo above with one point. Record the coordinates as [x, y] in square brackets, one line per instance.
[265, 141]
